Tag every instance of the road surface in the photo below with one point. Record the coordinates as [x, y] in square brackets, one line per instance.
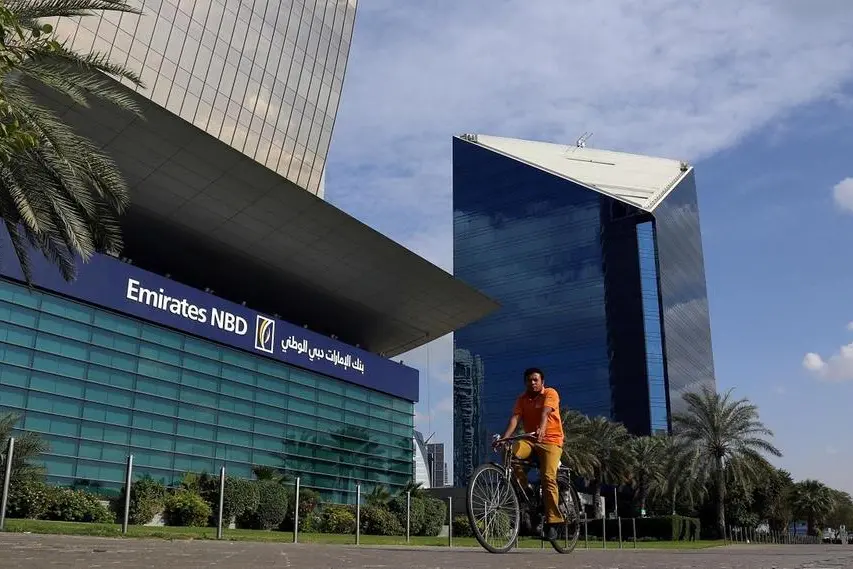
[30, 551]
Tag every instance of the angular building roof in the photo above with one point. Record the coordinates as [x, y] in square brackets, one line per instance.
[210, 216]
[641, 181]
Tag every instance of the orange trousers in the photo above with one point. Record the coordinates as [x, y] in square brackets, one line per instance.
[549, 460]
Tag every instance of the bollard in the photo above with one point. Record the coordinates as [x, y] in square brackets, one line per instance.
[357, 514]
[619, 521]
[408, 514]
[128, 482]
[634, 523]
[449, 521]
[7, 477]
[604, 531]
[296, 514]
[221, 502]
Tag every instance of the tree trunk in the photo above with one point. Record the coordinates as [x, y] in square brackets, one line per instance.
[599, 511]
[721, 499]
[644, 495]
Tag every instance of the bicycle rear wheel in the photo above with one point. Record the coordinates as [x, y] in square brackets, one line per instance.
[570, 506]
[493, 509]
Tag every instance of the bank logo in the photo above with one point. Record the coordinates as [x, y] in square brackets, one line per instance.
[264, 334]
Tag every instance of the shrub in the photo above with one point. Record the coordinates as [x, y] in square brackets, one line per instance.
[241, 496]
[28, 499]
[418, 513]
[67, 505]
[435, 516]
[312, 523]
[186, 508]
[147, 498]
[308, 500]
[378, 520]
[337, 519]
[462, 527]
[663, 528]
[271, 507]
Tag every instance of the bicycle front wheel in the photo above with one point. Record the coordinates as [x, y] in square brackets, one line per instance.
[493, 509]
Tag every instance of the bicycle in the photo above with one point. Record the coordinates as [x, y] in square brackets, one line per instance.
[505, 487]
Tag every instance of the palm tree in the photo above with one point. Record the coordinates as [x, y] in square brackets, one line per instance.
[265, 472]
[577, 446]
[842, 510]
[648, 474]
[416, 488]
[58, 192]
[378, 496]
[723, 440]
[681, 484]
[610, 445]
[28, 446]
[812, 500]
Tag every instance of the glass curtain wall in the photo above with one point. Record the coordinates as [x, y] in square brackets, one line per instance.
[99, 386]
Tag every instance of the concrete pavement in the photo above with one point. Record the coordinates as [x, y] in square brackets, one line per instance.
[31, 551]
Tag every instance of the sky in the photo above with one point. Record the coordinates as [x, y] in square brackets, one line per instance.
[758, 96]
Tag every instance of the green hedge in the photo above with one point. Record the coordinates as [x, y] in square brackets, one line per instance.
[272, 506]
[37, 501]
[187, 509]
[147, 499]
[378, 520]
[663, 528]
[462, 527]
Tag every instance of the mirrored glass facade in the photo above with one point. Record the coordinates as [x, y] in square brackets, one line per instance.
[684, 294]
[98, 386]
[262, 76]
[653, 335]
[580, 285]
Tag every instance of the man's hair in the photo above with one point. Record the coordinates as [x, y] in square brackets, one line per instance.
[531, 370]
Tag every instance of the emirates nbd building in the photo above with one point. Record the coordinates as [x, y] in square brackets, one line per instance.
[127, 361]
[596, 259]
[248, 321]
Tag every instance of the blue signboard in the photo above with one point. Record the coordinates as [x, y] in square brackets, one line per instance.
[113, 284]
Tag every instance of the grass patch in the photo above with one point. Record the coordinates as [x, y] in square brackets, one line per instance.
[172, 533]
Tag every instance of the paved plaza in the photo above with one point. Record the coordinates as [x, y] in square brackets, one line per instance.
[30, 551]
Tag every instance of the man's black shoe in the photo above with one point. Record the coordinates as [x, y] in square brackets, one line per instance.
[551, 532]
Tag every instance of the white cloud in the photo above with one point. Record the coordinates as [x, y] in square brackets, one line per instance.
[839, 367]
[679, 79]
[780, 389]
[843, 194]
[850, 326]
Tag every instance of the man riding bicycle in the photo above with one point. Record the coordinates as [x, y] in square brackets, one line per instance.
[538, 409]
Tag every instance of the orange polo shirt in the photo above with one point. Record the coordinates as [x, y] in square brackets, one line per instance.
[530, 409]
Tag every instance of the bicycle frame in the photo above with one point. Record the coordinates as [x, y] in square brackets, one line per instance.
[509, 461]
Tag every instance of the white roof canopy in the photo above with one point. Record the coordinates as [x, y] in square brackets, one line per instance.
[641, 181]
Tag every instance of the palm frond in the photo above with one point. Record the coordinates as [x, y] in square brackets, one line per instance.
[28, 11]
[79, 76]
[28, 446]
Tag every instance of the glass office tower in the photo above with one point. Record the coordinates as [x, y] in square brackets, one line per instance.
[263, 77]
[596, 260]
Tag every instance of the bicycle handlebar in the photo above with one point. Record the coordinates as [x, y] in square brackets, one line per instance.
[496, 439]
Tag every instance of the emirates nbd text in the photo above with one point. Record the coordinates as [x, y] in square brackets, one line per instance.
[159, 299]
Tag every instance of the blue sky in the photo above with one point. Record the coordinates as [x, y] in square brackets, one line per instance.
[758, 96]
